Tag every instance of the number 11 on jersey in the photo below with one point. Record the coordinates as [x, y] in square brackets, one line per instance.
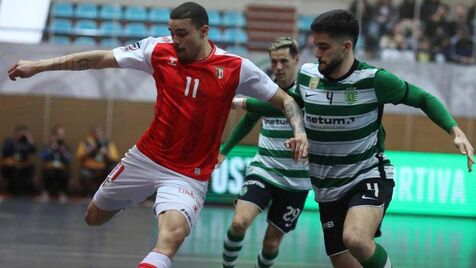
[196, 82]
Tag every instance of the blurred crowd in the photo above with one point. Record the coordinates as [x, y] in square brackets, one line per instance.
[46, 173]
[414, 30]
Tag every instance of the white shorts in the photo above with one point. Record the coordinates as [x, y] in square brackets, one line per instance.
[137, 177]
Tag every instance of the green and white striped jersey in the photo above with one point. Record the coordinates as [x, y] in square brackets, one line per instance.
[343, 121]
[273, 161]
[343, 124]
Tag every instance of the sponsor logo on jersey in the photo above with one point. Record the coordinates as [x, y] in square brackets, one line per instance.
[328, 225]
[219, 72]
[309, 94]
[173, 62]
[313, 82]
[197, 171]
[322, 120]
[351, 95]
[283, 121]
[134, 46]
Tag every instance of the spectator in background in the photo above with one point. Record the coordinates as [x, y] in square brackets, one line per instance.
[471, 17]
[97, 156]
[308, 51]
[407, 9]
[461, 47]
[56, 158]
[17, 162]
[428, 8]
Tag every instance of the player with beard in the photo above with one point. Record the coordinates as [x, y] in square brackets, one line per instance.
[343, 99]
[195, 82]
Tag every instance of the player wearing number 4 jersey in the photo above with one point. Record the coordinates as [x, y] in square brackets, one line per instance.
[352, 178]
[195, 82]
[272, 176]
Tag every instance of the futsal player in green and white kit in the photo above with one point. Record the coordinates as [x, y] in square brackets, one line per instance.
[343, 100]
[272, 176]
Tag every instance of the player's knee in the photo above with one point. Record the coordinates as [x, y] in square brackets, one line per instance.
[91, 219]
[174, 235]
[355, 242]
[271, 245]
[240, 224]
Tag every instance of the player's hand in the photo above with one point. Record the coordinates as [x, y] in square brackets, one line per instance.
[298, 146]
[462, 143]
[221, 158]
[23, 69]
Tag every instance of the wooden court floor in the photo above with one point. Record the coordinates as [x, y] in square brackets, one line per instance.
[53, 235]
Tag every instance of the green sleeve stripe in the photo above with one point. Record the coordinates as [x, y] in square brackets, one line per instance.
[262, 108]
[431, 106]
[242, 129]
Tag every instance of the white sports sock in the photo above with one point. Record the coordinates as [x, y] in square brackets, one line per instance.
[158, 259]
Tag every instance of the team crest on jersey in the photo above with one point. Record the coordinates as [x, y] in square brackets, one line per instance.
[351, 95]
[134, 46]
[219, 72]
[172, 61]
[197, 171]
[313, 83]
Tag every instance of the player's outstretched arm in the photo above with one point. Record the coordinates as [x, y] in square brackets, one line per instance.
[95, 59]
[463, 145]
[299, 144]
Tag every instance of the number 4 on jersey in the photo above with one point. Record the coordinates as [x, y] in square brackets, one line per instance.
[196, 82]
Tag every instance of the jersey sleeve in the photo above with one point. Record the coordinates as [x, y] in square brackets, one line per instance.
[296, 91]
[136, 56]
[262, 108]
[391, 89]
[254, 82]
[242, 129]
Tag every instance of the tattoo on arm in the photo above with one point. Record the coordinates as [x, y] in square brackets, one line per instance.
[82, 64]
[71, 64]
[294, 115]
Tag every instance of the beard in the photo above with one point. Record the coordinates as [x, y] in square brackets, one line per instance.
[331, 66]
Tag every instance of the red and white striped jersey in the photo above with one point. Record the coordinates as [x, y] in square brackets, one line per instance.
[193, 102]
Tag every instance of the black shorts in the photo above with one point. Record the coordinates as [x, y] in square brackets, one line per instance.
[363, 194]
[285, 208]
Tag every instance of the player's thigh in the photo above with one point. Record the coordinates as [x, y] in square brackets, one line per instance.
[182, 194]
[245, 211]
[286, 208]
[367, 207]
[254, 192]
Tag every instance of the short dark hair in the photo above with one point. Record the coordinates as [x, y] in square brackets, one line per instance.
[190, 10]
[337, 23]
[284, 42]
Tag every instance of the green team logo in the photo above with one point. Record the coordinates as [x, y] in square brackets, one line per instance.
[351, 95]
[243, 190]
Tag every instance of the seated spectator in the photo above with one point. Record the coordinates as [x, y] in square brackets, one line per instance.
[97, 156]
[461, 47]
[56, 158]
[17, 162]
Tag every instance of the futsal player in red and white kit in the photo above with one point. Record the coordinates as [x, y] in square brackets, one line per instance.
[196, 82]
